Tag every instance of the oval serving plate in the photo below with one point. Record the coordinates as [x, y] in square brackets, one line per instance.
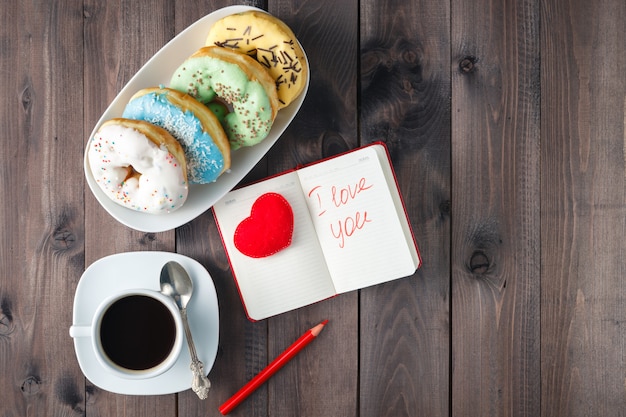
[158, 70]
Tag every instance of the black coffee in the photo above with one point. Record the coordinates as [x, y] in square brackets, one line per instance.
[137, 332]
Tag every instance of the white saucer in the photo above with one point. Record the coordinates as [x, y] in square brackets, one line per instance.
[142, 270]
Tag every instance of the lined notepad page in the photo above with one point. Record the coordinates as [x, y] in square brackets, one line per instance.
[357, 223]
[293, 277]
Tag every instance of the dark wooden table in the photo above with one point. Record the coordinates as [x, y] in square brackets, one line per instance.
[506, 125]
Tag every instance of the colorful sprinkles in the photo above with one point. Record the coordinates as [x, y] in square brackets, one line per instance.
[126, 167]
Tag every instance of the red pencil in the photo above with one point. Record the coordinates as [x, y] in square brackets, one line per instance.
[271, 369]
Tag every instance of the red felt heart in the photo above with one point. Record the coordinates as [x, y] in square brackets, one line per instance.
[269, 228]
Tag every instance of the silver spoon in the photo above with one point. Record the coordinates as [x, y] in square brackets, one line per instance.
[175, 283]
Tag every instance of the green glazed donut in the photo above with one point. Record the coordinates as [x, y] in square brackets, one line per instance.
[238, 80]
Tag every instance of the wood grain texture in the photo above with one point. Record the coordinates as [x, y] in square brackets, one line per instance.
[495, 206]
[325, 125]
[258, 343]
[116, 47]
[42, 227]
[239, 338]
[506, 124]
[405, 102]
[583, 209]
[119, 39]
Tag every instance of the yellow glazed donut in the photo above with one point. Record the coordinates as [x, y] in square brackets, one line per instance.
[271, 42]
[139, 166]
[238, 80]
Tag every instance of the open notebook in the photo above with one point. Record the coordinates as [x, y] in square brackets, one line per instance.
[350, 231]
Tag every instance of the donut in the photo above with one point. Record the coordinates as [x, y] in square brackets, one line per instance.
[219, 109]
[239, 81]
[271, 42]
[206, 147]
[138, 165]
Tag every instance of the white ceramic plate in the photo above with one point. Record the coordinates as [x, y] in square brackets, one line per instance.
[158, 70]
[133, 270]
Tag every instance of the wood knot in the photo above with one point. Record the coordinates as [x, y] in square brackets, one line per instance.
[333, 143]
[6, 325]
[26, 98]
[31, 386]
[63, 239]
[410, 57]
[148, 238]
[68, 392]
[468, 64]
[62, 236]
[479, 263]
[484, 248]
[6, 317]
[445, 207]
[90, 394]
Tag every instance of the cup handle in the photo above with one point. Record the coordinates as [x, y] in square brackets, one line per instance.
[80, 331]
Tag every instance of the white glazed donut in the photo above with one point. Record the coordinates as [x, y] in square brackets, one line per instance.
[139, 165]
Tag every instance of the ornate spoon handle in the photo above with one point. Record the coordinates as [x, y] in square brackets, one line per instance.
[200, 384]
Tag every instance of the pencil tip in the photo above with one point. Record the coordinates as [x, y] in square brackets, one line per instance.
[317, 329]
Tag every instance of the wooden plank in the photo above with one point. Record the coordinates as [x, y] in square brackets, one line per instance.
[495, 206]
[16, 125]
[405, 101]
[242, 348]
[323, 378]
[41, 217]
[120, 36]
[240, 338]
[583, 210]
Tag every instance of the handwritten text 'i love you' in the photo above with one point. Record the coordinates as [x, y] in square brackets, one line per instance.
[334, 197]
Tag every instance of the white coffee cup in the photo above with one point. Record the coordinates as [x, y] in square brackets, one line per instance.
[135, 334]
